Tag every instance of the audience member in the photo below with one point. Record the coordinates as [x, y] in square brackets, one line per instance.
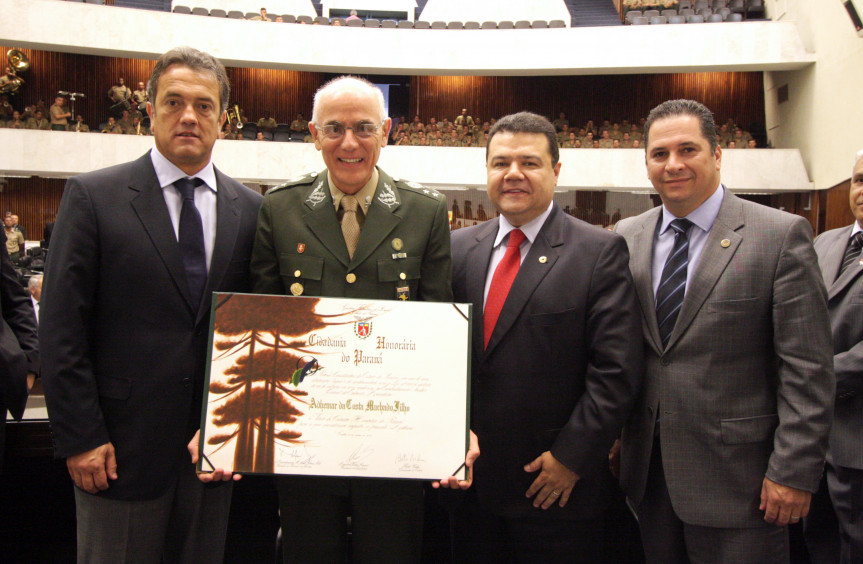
[15, 241]
[17, 226]
[80, 126]
[268, 123]
[119, 94]
[300, 125]
[112, 127]
[34, 285]
[16, 122]
[59, 114]
[38, 121]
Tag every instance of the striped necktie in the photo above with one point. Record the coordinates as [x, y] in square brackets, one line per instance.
[672, 284]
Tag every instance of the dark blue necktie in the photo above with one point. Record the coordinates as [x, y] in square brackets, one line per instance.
[672, 284]
[191, 238]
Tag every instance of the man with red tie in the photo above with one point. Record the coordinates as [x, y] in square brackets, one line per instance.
[556, 360]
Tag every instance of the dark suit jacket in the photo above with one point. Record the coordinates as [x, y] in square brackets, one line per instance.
[300, 242]
[845, 304]
[125, 346]
[19, 344]
[562, 368]
[746, 383]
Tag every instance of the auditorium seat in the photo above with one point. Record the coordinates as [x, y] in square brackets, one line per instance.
[322, 20]
[471, 25]
[218, 13]
[455, 25]
[724, 12]
[697, 18]
[706, 12]
[289, 18]
[182, 10]
[539, 24]
[305, 19]
[250, 15]
[715, 18]
[405, 24]
[522, 24]
[420, 25]
[737, 6]
[640, 20]
[650, 13]
[372, 22]
[438, 25]
[734, 17]
[668, 13]
[282, 137]
[686, 12]
[489, 25]
[389, 24]
[557, 23]
[355, 23]
[677, 20]
[658, 20]
[505, 24]
[684, 4]
[719, 4]
[235, 15]
[755, 8]
[632, 14]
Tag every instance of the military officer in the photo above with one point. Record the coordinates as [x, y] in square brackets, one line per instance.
[352, 231]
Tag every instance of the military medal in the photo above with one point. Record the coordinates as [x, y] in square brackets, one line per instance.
[403, 293]
[397, 244]
[301, 248]
[297, 289]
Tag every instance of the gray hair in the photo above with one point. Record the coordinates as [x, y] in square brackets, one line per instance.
[197, 61]
[348, 81]
[527, 122]
[674, 108]
[34, 281]
[857, 157]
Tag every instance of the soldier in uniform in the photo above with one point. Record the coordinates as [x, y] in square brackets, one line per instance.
[393, 243]
[113, 127]
[626, 142]
[139, 100]
[125, 121]
[463, 119]
[16, 122]
[570, 141]
[268, 122]
[560, 121]
[38, 121]
[80, 126]
[119, 93]
[137, 127]
[605, 141]
[300, 124]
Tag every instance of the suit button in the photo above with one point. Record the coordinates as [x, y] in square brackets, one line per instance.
[664, 361]
[297, 274]
[402, 276]
[187, 383]
[351, 278]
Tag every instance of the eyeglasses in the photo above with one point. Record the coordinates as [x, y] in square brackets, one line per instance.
[362, 130]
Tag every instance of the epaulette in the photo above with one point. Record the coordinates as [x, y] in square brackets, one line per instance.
[302, 180]
[417, 188]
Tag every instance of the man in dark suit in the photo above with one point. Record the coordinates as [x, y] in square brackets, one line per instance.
[139, 248]
[19, 343]
[727, 441]
[840, 261]
[352, 231]
[556, 360]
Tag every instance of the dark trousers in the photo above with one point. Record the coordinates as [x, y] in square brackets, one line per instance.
[480, 537]
[385, 520]
[187, 524]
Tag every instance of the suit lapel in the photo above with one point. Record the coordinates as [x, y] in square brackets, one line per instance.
[478, 258]
[149, 205]
[833, 260]
[529, 276]
[322, 221]
[721, 244]
[227, 227]
[382, 217]
[641, 265]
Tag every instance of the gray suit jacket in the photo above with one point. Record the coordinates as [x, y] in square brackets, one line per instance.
[845, 304]
[745, 387]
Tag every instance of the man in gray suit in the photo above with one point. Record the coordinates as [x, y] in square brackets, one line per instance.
[727, 441]
[840, 261]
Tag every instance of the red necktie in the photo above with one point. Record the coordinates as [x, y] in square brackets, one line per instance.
[501, 282]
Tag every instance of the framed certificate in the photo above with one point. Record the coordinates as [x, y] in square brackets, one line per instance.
[336, 387]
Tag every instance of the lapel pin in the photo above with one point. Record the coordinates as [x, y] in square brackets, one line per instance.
[297, 289]
[725, 243]
[543, 259]
[301, 248]
[397, 244]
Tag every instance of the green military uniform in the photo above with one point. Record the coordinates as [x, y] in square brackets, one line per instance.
[267, 123]
[300, 249]
[606, 143]
[34, 123]
[139, 97]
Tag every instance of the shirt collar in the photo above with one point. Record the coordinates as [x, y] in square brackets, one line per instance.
[364, 195]
[703, 216]
[855, 229]
[530, 229]
[168, 173]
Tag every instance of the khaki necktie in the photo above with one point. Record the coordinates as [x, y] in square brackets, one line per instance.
[350, 223]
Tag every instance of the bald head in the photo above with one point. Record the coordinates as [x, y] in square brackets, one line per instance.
[348, 84]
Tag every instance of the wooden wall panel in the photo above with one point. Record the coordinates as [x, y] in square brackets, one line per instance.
[738, 95]
[283, 93]
[837, 211]
[34, 200]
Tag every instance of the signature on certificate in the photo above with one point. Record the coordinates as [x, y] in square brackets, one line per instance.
[358, 459]
[298, 458]
[410, 462]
